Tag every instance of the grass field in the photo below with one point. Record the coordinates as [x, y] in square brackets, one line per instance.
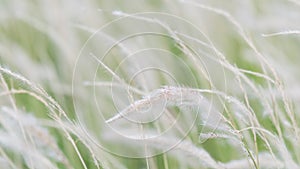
[149, 84]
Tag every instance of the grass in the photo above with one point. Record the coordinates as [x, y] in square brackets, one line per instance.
[181, 84]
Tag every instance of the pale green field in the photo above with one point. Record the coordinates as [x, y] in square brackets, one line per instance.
[149, 84]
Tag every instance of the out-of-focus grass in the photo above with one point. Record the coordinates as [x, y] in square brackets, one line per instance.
[230, 85]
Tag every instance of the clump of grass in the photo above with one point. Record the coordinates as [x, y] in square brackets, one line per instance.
[191, 85]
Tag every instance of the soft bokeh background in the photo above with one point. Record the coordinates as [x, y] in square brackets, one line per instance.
[248, 119]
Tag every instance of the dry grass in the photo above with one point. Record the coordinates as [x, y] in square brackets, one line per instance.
[156, 84]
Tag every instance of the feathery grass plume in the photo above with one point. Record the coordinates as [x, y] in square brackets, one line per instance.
[41, 148]
[50, 103]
